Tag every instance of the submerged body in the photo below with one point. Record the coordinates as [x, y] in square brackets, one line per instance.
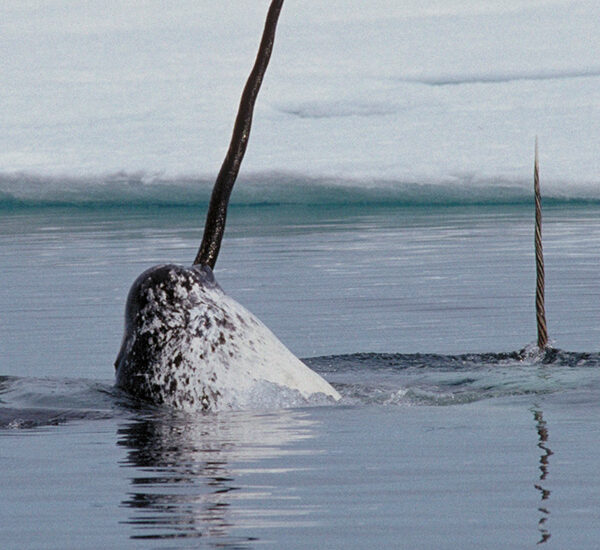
[189, 345]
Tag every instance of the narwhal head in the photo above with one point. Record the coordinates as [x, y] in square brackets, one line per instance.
[167, 307]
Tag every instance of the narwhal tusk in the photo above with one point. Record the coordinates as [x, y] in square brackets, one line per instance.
[540, 310]
[217, 210]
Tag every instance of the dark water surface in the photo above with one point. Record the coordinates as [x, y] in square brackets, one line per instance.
[447, 435]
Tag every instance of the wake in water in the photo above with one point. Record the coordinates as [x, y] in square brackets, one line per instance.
[430, 379]
[363, 379]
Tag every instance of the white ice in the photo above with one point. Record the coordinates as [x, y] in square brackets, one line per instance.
[380, 93]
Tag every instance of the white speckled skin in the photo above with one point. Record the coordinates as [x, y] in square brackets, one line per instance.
[189, 345]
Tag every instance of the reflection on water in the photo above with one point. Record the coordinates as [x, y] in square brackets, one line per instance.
[542, 430]
[184, 471]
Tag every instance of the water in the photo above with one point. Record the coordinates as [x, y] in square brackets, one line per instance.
[449, 432]
[441, 280]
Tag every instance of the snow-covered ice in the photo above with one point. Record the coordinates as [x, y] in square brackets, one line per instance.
[383, 94]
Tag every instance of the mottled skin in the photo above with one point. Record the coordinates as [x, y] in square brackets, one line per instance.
[157, 321]
[189, 345]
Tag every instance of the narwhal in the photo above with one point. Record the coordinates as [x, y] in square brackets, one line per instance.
[186, 343]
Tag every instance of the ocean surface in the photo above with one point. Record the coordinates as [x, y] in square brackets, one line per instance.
[449, 434]
[382, 227]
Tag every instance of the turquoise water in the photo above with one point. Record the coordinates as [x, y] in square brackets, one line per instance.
[447, 434]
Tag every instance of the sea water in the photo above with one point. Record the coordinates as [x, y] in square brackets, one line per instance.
[447, 434]
[381, 227]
